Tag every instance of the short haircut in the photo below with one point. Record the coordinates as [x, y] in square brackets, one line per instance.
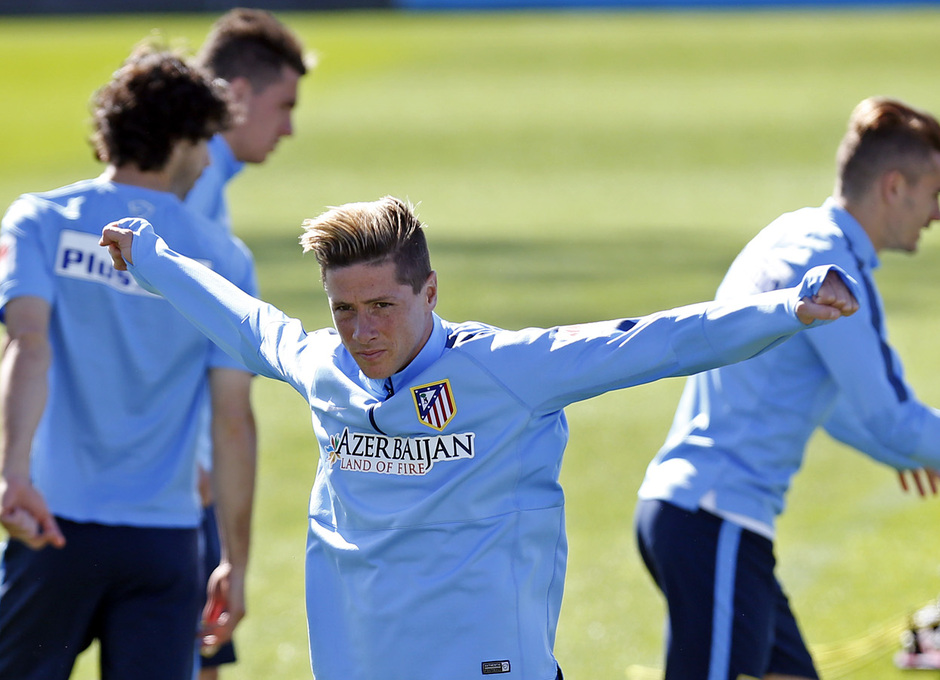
[884, 135]
[153, 101]
[252, 44]
[371, 233]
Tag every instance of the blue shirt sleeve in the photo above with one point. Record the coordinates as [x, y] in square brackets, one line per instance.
[572, 363]
[876, 411]
[24, 269]
[266, 340]
[239, 268]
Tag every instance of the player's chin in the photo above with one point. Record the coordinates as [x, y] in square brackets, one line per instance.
[374, 365]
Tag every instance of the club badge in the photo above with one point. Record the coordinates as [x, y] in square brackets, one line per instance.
[435, 404]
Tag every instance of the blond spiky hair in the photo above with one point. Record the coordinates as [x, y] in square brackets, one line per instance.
[370, 232]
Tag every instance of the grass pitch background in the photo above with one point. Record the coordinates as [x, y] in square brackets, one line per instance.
[571, 166]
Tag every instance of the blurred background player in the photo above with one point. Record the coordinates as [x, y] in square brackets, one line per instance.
[262, 61]
[708, 504]
[101, 389]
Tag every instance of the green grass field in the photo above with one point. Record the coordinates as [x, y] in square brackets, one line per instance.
[571, 166]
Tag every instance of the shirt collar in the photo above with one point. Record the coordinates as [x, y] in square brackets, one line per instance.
[105, 180]
[859, 242]
[222, 155]
[431, 351]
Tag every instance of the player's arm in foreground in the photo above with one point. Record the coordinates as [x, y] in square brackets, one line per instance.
[23, 393]
[196, 291]
[264, 339]
[234, 454]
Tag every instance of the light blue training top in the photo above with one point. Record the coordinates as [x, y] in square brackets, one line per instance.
[436, 544]
[116, 443]
[740, 432]
[207, 197]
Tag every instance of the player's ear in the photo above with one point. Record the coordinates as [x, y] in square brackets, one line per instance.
[239, 94]
[891, 184]
[430, 290]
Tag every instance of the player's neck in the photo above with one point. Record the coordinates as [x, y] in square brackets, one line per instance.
[870, 213]
[133, 176]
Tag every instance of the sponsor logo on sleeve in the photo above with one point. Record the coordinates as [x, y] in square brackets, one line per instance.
[566, 335]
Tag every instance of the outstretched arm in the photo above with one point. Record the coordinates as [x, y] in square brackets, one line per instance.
[234, 320]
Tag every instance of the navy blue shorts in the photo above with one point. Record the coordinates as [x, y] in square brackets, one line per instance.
[211, 554]
[727, 614]
[136, 590]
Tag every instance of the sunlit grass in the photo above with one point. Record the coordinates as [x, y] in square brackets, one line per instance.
[571, 167]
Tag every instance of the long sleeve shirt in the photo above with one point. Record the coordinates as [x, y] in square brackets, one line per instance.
[436, 544]
[117, 440]
[740, 432]
[207, 197]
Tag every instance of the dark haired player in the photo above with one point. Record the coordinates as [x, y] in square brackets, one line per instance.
[101, 385]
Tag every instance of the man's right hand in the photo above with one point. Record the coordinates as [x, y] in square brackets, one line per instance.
[23, 513]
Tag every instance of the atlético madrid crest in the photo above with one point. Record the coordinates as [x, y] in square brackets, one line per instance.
[435, 404]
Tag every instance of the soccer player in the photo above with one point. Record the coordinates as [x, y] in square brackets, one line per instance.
[262, 61]
[436, 544]
[101, 387]
[707, 508]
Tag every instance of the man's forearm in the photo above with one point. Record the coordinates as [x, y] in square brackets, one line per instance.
[234, 483]
[23, 393]
[234, 441]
